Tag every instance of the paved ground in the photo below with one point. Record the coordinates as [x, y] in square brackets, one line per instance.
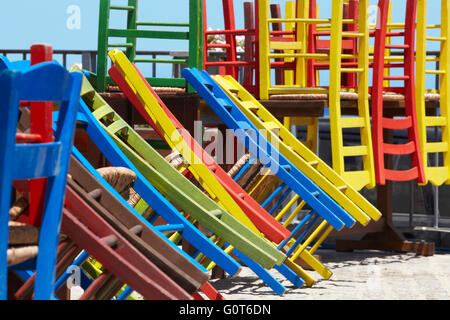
[366, 275]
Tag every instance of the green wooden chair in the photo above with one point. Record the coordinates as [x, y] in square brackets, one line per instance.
[185, 195]
[134, 31]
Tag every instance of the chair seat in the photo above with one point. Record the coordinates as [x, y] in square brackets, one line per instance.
[23, 238]
[22, 234]
[163, 90]
[121, 179]
[387, 96]
[18, 255]
[429, 96]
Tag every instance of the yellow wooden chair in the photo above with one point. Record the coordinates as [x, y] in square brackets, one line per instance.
[312, 124]
[206, 178]
[309, 163]
[437, 174]
[296, 50]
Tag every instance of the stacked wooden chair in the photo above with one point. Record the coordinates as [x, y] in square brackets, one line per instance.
[122, 247]
[304, 48]
[39, 158]
[137, 29]
[292, 179]
[231, 65]
[128, 71]
[215, 173]
[158, 226]
[244, 69]
[305, 56]
[227, 231]
[435, 153]
[407, 91]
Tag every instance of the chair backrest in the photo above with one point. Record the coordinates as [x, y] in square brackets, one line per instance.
[44, 82]
[436, 171]
[231, 65]
[380, 122]
[296, 55]
[134, 31]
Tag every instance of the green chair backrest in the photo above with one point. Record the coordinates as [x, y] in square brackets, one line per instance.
[193, 34]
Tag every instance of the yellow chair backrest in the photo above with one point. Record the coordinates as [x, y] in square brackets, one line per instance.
[434, 173]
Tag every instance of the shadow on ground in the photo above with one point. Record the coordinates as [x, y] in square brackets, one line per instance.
[248, 284]
[363, 257]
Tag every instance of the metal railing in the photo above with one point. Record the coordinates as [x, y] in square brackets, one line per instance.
[89, 58]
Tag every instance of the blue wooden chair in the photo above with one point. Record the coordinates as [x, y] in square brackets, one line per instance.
[325, 211]
[262, 149]
[44, 82]
[152, 196]
[5, 64]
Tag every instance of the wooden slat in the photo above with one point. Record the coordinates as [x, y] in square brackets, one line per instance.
[397, 124]
[399, 149]
[355, 151]
[435, 121]
[435, 147]
[285, 45]
[352, 122]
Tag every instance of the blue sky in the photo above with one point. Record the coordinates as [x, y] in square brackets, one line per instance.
[24, 22]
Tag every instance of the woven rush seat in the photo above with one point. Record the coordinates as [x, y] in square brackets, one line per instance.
[122, 180]
[157, 89]
[175, 159]
[387, 96]
[250, 178]
[23, 238]
[430, 96]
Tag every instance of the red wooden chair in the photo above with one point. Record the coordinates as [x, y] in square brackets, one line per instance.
[232, 65]
[409, 122]
[317, 44]
[41, 129]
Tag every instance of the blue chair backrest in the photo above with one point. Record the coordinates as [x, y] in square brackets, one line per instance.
[51, 82]
[5, 64]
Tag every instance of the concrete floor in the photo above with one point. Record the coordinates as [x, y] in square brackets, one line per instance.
[360, 275]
